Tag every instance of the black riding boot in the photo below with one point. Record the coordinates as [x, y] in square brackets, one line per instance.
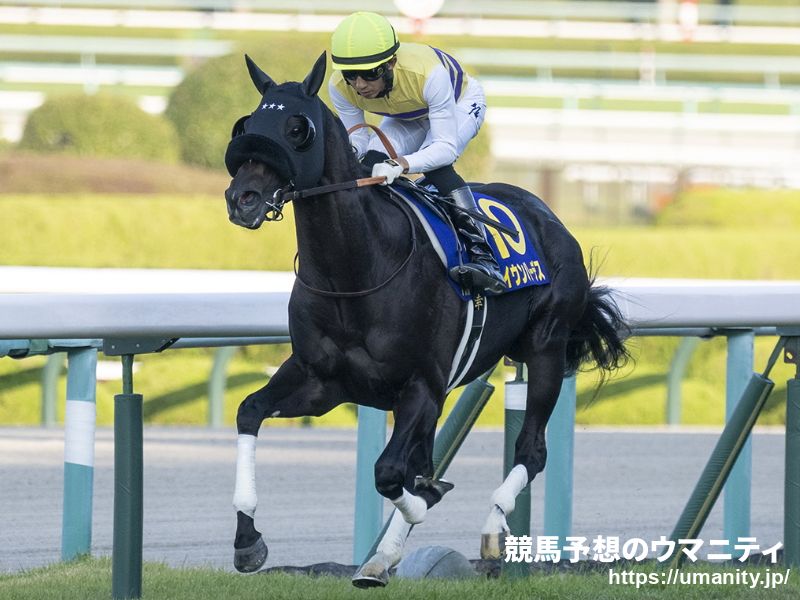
[483, 272]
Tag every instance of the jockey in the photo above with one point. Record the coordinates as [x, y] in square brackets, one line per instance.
[431, 110]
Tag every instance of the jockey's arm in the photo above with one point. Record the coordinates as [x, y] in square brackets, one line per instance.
[442, 147]
[350, 116]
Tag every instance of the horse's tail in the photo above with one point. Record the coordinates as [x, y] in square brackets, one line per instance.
[599, 335]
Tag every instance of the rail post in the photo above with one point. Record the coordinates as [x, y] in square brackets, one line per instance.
[677, 370]
[50, 373]
[791, 521]
[559, 468]
[79, 432]
[126, 559]
[371, 439]
[519, 521]
[216, 384]
[736, 512]
[126, 568]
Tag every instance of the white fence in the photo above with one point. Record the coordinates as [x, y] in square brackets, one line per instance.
[253, 311]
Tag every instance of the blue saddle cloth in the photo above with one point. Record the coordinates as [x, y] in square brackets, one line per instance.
[518, 259]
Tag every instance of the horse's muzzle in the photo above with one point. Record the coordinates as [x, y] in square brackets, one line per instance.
[246, 209]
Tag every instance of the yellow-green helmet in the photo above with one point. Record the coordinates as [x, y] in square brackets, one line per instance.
[363, 41]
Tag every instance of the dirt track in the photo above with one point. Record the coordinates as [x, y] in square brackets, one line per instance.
[627, 483]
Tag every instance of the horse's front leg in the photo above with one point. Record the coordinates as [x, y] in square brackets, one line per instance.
[415, 422]
[545, 374]
[291, 392]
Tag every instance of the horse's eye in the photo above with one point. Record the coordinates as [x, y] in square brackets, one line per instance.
[238, 127]
[300, 132]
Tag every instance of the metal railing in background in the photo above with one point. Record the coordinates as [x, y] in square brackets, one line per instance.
[85, 45]
[649, 67]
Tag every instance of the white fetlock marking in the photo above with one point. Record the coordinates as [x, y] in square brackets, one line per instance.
[244, 494]
[394, 540]
[412, 507]
[506, 495]
[495, 522]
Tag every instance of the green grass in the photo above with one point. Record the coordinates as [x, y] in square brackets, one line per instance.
[736, 209]
[118, 230]
[174, 232]
[89, 579]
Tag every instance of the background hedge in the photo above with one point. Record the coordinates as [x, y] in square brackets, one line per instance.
[210, 99]
[100, 125]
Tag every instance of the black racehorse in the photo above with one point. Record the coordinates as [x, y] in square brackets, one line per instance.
[374, 321]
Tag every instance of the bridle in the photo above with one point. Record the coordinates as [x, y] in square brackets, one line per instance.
[282, 196]
[287, 193]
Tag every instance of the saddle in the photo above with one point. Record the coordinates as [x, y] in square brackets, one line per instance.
[516, 255]
[513, 249]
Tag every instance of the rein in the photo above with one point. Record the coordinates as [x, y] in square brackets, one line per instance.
[288, 196]
[282, 197]
[381, 136]
[367, 292]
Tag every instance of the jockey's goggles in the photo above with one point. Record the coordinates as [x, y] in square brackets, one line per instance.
[368, 75]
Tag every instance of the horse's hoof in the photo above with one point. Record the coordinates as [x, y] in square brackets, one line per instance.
[371, 575]
[252, 558]
[439, 486]
[493, 545]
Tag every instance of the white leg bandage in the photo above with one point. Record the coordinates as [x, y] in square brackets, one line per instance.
[244, 495]
[393, 542]
[412, 507]
[495, 522]
[506, 495]
[504, 498]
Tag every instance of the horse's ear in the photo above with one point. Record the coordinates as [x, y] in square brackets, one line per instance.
[261, 80]
[314, 80]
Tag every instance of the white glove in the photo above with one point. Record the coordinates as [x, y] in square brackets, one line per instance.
[390, 170]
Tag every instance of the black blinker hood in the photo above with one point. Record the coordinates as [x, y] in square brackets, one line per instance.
[262, 136]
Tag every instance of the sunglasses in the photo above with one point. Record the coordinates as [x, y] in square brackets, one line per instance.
[369, 75]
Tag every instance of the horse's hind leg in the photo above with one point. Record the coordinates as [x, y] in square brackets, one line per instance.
[545, 375]
[292, 392]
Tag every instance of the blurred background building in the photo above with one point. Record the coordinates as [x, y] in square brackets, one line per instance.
[603, 108]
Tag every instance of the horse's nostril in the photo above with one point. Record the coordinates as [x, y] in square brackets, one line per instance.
[249, 197]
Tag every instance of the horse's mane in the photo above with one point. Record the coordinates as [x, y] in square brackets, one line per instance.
[337, 141]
